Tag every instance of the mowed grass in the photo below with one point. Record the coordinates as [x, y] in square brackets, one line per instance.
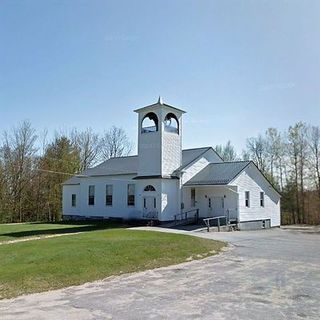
[33, 229]
[41, 265]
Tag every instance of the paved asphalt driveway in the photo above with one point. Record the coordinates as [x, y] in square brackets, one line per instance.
[269, 274]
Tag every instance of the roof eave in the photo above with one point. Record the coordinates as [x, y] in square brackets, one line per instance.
[155, 177]
[160, 105]
[205, 184]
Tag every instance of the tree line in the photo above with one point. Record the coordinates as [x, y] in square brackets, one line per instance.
[290, 160]
[32, 167]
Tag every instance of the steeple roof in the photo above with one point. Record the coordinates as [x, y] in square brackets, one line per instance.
[159, 103]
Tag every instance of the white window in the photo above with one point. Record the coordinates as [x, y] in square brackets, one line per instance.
[73, 200]
[193, 197]
[247, 199]
[91, 195]
[109, 194]
[261, 199]
[131, 195]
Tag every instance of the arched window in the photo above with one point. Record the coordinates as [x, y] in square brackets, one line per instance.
[149, 188]
[171, 123]
[149, 123]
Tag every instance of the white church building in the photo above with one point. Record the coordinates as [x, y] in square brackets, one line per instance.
[164, 182]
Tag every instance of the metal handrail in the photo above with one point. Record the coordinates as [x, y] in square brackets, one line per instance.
[184, 215]
[207, 222]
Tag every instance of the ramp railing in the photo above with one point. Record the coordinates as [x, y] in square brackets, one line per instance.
[207, 222]
[191, 216]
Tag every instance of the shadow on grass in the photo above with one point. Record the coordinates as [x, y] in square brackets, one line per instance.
[190, 227]
[81, 226]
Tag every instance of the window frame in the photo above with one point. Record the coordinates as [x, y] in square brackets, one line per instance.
[91, 197]
[108, 203]
[262, 199]
[247, 199]
[131, 202]
[73, 200]
[149, 188]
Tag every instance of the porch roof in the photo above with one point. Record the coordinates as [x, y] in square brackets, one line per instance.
[218, 173]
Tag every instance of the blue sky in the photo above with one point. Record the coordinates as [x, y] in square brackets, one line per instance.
[237, 67]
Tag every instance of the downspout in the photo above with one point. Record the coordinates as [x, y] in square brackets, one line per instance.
[181, 191]
[238, 208]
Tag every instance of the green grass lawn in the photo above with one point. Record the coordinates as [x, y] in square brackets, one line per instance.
[26, 230]
[45, 264]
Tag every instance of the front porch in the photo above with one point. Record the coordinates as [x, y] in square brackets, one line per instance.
[212, 201]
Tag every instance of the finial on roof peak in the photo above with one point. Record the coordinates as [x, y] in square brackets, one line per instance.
[160, 101]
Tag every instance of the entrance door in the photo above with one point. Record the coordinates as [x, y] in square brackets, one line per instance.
[215, 206]
[149, 204]
[218, 206]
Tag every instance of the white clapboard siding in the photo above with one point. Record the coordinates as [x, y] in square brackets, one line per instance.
[253, 181]
[119, 206]
[197, 165]
[170, 199]
[67, 207]
[167, 197]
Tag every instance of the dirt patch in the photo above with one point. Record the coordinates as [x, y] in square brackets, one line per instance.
[38, 238]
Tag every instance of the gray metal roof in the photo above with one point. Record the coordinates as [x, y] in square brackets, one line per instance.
[218, 173]
[190, 155]
[129, 165]
[115, 166]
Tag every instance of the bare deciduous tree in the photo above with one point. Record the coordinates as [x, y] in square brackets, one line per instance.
[256, 149]
[297, 151]
[227, 152]
[275, 154]
[314, 160]
[89, 145]
[115, 143]
[18, 152]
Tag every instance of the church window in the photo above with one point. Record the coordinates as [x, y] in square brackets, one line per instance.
[73, 200]
[109, 194]
[91, 195]
[131, 195]
[149, 188]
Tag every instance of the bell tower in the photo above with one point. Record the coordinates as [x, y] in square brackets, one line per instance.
[159, 140]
